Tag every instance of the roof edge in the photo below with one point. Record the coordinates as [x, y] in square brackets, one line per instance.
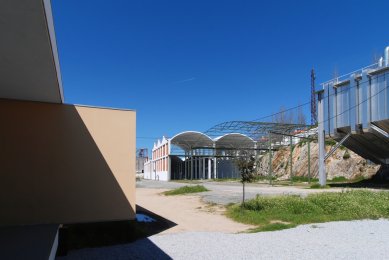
[53, 42]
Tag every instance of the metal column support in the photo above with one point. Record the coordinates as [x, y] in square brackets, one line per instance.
[215, 168]
[214, 162]
[209, 168]
[337, 146]
[169, 168]
[321, 136]
[199, 167]
[191, 164]
[203, 168]
[291, 158]
[186, 166]
[195, 167]
[179, 171]
[309, 161]
[270, 162]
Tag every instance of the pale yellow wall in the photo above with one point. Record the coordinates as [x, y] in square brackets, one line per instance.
[65, 163]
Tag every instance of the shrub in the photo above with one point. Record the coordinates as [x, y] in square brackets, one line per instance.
[330, 142]
[346, 155]
[271, 213]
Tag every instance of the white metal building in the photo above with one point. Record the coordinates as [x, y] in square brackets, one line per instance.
[195, 155]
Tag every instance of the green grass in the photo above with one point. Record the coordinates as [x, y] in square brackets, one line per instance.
[226, 179]
[274, 213]
[318, 186]
[303, 179]
[186, 190]
[271, 227]
[338, 179]
[330, 142]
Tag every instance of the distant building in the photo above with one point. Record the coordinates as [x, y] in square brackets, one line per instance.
[194, 155]
[142, 156]
[158, 167]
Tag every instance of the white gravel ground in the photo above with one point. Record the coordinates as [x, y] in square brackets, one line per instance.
[366, 239]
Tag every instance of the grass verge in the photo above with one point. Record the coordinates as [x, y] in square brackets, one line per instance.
[275, 213]
[227, 180]
[303, 179]
[186, 189]
[318, 186]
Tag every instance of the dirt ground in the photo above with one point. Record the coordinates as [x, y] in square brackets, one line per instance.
[188, 212]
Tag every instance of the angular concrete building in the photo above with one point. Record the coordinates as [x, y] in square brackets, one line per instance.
[353, 109]
[59, 163]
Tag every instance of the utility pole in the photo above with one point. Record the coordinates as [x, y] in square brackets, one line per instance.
[291, 158]
[313, 99]
[309, 161]
[270, 162]
[321, 135]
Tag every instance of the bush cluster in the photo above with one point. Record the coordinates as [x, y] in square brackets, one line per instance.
[315, 208]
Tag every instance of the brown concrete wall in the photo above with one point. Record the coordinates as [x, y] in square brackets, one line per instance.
[65, 163]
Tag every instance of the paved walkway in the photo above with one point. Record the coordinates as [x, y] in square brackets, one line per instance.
[366, 239]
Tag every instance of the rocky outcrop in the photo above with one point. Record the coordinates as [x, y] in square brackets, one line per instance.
[343, 162]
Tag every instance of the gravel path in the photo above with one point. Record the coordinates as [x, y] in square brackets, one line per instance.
[366, 239]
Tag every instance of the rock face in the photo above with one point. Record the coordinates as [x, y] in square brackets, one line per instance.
[343, 162]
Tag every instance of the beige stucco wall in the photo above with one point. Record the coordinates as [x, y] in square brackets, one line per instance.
[65, 163]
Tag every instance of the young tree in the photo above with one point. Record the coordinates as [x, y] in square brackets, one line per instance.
[284, 116]
[245, 162]
[301, 119]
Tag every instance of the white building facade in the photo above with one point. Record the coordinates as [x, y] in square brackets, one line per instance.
[158, 168]
[200, 157]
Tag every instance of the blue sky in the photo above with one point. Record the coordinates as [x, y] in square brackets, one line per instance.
[188, 65]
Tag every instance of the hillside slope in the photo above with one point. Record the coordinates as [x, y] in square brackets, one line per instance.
[343, 162]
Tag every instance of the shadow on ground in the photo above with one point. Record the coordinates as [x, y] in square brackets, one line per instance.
[102, 234]
[371, 184]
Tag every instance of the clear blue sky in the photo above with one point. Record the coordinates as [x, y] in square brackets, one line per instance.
[188, 65]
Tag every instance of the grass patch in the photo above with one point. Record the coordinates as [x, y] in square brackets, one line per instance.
[274, 213]
[258, 178]
[318, 186]
[227, 179]
[271, 227]
[358, 179]
[330, 142]
[186, 189]
[303, 179]
[338, 179]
